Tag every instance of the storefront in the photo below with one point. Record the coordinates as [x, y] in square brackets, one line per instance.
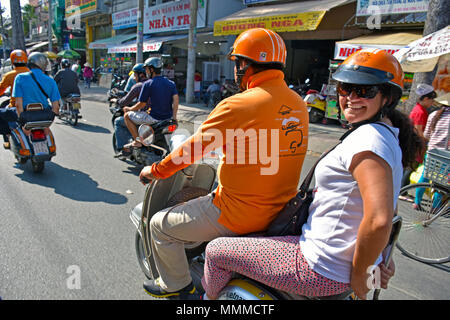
[93, 14]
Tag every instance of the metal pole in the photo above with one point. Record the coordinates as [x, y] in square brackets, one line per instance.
[191, 53]
[50, 18]
[140, 33]
[3, 35]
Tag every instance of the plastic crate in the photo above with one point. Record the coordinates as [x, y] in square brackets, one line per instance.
[437, 166]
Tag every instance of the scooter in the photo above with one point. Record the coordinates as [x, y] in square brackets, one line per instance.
[301, 89]
[157, 140]
[316, 104]
[116, 110]
[198, 180]
[38, 146]
[118, 82]
[228, 89]
[70, 109]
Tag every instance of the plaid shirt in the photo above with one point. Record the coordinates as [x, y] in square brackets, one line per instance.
[439, 138]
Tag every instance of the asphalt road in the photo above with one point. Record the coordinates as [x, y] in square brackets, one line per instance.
[72, 220]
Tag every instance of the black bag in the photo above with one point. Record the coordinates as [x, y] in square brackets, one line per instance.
[291, 218]
[36, 116]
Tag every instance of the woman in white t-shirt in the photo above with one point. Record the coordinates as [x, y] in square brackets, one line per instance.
[355, 196]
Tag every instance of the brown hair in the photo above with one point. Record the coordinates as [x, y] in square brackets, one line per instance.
[411, 143]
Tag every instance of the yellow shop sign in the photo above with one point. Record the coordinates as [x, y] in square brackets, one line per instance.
[304, 21]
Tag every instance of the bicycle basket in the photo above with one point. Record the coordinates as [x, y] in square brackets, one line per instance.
[437, 166]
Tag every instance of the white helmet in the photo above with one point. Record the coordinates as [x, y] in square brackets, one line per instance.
[39, 59]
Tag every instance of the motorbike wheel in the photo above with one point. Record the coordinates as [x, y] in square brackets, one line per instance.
[315, 115]
[114, 143]
[195, 249]
[73, 117]
[141, 256]
[38, 166]
[21, 160]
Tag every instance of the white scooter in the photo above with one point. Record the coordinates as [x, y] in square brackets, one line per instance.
[195, 181]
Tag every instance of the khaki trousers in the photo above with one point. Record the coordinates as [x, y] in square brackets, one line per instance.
[172, 228]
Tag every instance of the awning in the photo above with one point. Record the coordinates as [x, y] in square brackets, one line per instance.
[288, 17]
[423, 54]
[150, 44]
[111, 42]
[391, 42]
[38, 46]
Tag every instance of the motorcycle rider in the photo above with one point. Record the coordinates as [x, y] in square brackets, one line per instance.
[249, 194]
[35, 86]
[122, 133]
[19, 61]
[164, 100]
[67, 81]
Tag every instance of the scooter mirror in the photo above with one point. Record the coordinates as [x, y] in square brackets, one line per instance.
[146, 134]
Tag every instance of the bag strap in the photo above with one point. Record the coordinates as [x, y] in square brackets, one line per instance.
[42, 90]
[307, 181]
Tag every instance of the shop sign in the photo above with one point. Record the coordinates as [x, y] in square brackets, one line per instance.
[172, 16]
[370, 7]
[343, 50]
[80, 6]
[132, 48]
[304, 21]
[125, 19]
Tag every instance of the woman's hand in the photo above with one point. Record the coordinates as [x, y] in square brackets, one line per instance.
[386, 273]
[359, 286]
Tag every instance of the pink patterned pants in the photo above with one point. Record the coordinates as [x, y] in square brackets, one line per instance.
[277, 262]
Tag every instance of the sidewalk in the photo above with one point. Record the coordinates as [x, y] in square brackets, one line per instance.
[321, 137]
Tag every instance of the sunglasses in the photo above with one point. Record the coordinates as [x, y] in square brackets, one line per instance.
[362, 91]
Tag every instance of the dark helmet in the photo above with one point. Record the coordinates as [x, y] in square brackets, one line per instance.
[153, 62]
[65, 63]
[39, 60]
[139, 68]
[371, 66]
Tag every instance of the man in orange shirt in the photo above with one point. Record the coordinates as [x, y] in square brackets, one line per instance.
[264, 134]
[19, 61]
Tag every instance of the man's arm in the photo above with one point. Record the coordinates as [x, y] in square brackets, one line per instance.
[130, 96]
[138, 106]
[176, 102]
[55, 107]
[19, 105]
[5, 84]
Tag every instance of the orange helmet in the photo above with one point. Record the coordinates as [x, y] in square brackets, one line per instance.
[261, 46]
[18, 56]
[370, 66]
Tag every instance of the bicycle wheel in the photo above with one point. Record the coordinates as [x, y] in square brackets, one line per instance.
[425, 232]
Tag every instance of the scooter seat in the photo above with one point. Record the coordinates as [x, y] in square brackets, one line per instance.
[37, 124]
[73, 97]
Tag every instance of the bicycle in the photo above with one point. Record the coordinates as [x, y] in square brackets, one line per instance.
[425, 230]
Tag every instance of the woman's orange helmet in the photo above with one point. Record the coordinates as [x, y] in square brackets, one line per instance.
[370, 66]
[261, 46]
[18, 56]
